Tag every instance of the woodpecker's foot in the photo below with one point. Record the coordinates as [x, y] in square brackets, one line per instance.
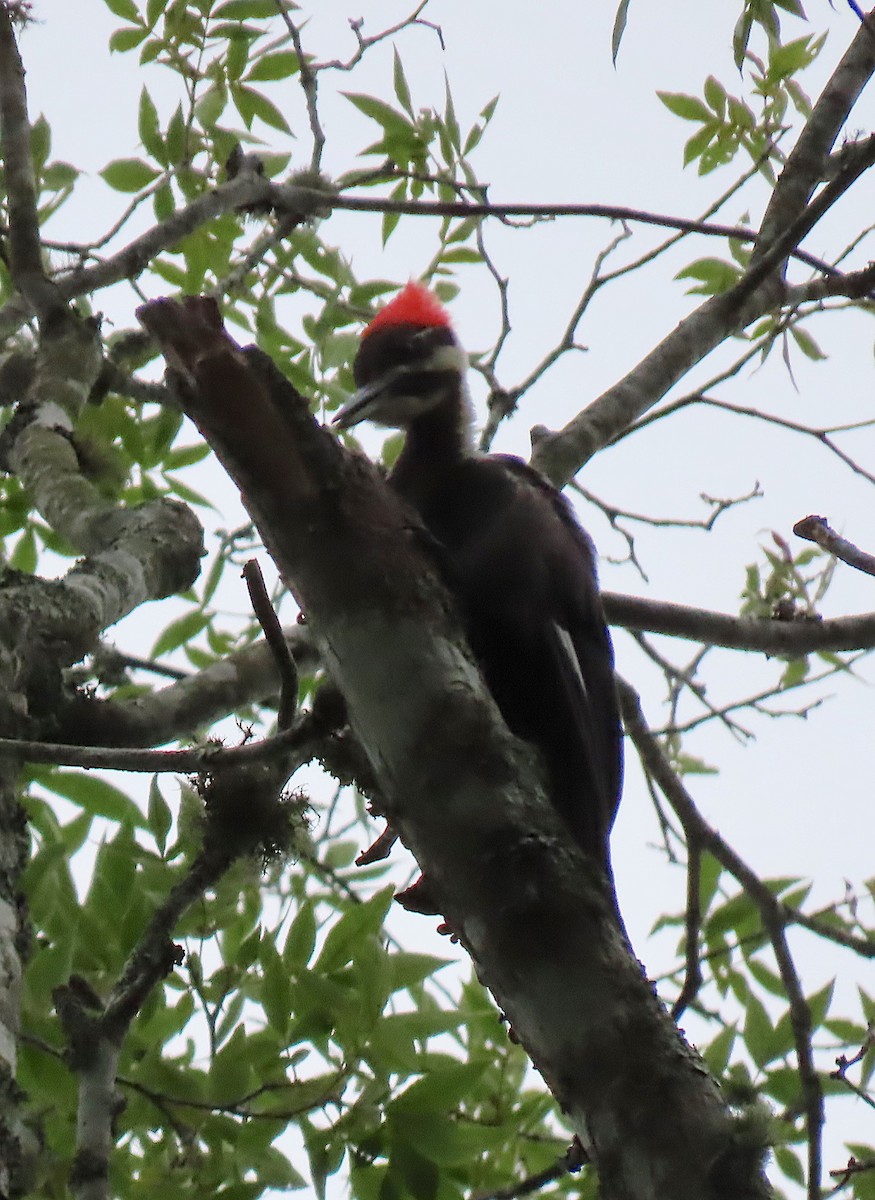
[419, 899]
[380, 849]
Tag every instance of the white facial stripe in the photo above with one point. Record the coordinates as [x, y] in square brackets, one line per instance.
[446, 358]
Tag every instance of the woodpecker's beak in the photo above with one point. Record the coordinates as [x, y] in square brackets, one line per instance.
[362, 404]
[355, 409]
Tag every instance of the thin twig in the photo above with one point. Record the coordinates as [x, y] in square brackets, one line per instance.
[566, 341]
[309, 85]
[693, 929]
[823, 435]
[573, 1159]
[279, 647]
[365, 43]
[610, 212]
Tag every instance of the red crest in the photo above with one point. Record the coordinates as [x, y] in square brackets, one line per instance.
[414, 305]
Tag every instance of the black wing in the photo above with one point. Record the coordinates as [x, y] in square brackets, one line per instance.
[524, 574]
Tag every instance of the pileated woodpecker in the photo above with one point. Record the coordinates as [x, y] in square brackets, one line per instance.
[520, 567]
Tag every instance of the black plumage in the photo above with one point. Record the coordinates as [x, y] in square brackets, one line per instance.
[520, 567]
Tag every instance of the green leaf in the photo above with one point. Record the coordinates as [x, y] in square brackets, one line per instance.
[74, 833]
[276, 989]
[689, 764]
[451, 123]
[301, 938]
[126, 39]
[793, 56]
[230, 1071]
[850, 1033]
[741, 115]
[441, 1090]
[280, 65]
[325, 1152]
[23, 557]
[381, 112]
[819, 1003]
[391, 219]
[409, 968]
[717, 1054]
[709, 877]
[475, 133]
[186, 456]
[252, 104]
[189, 495]
[237, 60]
[759, 1033]
[769, 980]
[182, 630]
[402, 91]
[40, 142]
[690, 108]
[162, 202]
[211, 105]
[619, 28]
[795, 672]
[698, 144]
[211, 582]
[176, 136]
[421, 1025]
[738, 914]
[159, 815]
[95, 796]
[488, 111]
[807, 344]
[126, 9]
[348, 932]
[59, 175]
[247, 10]
[716, 275]
[715, 95]
[275, 1172]
[741, 37]
[789, 1163]
[782, 1083]
[128, 174]
[461, 254]
[148, 125]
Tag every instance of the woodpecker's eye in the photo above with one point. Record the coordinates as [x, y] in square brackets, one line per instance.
[422, 339]
[413, 348]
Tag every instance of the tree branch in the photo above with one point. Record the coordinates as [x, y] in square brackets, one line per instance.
[294, 203]
[246, 677]
[806, 162]
[550, 948]
[816, 529]
[25, 248]
[204, 758]
[792, 639]
[772, 913]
